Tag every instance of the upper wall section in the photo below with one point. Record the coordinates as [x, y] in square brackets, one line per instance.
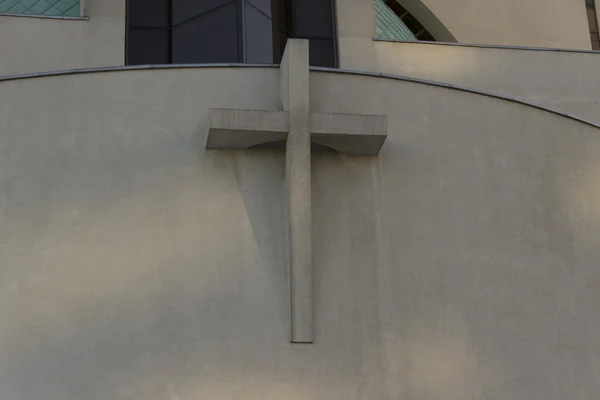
[537, 23]
[561, 80]
[38, 44]
[540, 23]
[46, 44]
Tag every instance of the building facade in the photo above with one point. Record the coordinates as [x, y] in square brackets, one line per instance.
[299, 199]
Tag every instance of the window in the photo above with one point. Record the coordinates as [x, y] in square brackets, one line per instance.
[394, 22]
[227, 31]
[593, 23]
[54, 8]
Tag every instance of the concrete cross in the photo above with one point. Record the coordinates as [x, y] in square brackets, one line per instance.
[298, 127]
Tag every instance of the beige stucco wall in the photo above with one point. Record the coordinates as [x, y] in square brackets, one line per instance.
[538, 23]
[543, 23]
[460, 264]
[565, 81]
[44, 44]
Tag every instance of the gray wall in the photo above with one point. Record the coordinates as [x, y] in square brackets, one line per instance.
[460, 264]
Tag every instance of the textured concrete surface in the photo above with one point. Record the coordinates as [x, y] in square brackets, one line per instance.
[241, 129]
[461, 263]
[349, 133]
[565, 81]
[36, 44]
[344, 133]
[299, 129]
[295, 95]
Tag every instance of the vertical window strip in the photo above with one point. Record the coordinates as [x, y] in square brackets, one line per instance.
[593, 24]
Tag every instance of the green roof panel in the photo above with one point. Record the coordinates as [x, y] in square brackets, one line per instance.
[389, 25]
[69, 8]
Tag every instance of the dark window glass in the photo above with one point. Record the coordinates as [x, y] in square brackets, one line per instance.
[210, 37]
[322, 53]
[148, 46]
[148, 33]
[264, 6]
[313, 19]
[184, 10]
[258, 32]
[148, 13]
[217, 31]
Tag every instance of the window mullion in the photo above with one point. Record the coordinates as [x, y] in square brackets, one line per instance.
[242, 24]
[170, 28]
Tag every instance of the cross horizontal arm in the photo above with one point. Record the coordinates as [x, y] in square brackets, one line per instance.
[241, 129]
[349, 133]
[345, 133]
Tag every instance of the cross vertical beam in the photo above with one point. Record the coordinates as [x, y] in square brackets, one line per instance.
[345, 133]
[295, 101]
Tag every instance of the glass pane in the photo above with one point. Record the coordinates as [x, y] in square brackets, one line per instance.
[212, 37]
[322, 53]
[148, 46]
[186, 9]
[264, 6]
[148, 13]
[313, 18]
[259, 34]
